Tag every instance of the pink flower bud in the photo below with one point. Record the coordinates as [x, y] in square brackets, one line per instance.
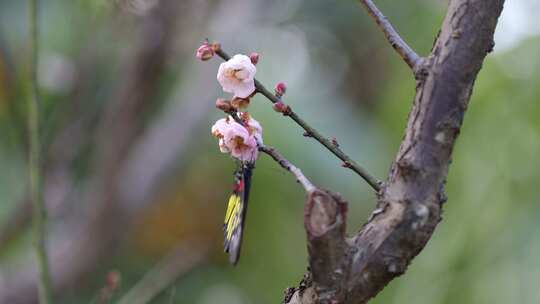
[280, 89]
[223, 104]
[254, 57]
[204, 52]
[280, 107]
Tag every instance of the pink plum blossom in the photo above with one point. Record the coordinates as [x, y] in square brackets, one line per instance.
[237, 76]
[254, 126]
[239, 141]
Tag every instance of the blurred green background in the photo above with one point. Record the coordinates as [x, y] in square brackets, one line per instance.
[136, 186]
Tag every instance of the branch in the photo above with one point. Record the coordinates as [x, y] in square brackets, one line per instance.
[332, 146]
[35, 173]
[325, 224]
[410, 204]
[280, 159]
[400, 46]
[285, 164]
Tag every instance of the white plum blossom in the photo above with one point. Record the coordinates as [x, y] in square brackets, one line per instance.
[218, 130]
[237, 76]
[241, 142]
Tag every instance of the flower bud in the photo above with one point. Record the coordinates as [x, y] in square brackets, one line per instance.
[223, 104]
[280, 107]
[254, 57]
[240, 103]
[280, 89]
[204, 52]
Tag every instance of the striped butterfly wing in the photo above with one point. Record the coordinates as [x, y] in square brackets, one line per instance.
[236, 213]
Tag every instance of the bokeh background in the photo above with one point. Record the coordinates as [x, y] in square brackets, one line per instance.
[136, 186]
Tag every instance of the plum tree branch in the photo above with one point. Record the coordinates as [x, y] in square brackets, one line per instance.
[331, 145]
[410, 203]
[400, 46]
[287, 165]
[280, 159]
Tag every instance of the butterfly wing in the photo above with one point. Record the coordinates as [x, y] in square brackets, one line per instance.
[236, 213]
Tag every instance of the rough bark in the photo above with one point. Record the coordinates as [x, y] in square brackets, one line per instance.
[409, 204]
[324, 220]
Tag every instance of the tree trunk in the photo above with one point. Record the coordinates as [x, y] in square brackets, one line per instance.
[409, 203]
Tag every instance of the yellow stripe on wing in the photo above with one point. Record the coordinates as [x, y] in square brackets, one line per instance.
[233, 216]
[233, 201]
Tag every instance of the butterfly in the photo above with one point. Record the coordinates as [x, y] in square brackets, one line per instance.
[235, 215]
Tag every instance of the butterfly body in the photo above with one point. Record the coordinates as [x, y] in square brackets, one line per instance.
[236, 211]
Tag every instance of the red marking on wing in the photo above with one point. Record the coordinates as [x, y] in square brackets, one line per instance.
[239, 186]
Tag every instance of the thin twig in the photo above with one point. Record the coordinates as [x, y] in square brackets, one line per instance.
[285, 164]
[312, 132]
[280, 159]
[405, 51]
[38, 213]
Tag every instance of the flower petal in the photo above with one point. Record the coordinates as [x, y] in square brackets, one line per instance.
[237, 76]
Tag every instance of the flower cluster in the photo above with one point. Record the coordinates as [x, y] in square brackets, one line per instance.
[240, 140]
[238, 134]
